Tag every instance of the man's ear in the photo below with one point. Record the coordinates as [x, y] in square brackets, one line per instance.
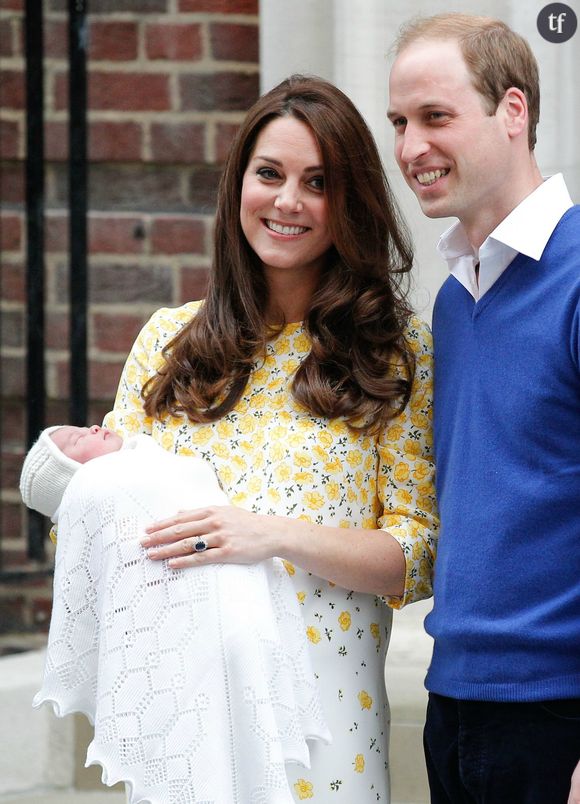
[515, 110]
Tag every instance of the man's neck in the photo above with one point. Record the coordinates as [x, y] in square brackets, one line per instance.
[483, 224]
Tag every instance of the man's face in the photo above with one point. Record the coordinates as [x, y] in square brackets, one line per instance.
[452, 152]
[83, 443]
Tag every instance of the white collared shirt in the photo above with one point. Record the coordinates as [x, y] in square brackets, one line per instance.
[525, 230]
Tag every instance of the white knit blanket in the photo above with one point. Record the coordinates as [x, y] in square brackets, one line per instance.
[198, 681]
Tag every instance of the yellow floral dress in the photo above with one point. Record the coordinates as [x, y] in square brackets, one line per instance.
[273, 457]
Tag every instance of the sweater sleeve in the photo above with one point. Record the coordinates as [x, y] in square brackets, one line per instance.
[407, 475]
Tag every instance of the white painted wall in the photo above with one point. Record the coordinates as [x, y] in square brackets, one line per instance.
[347, 42]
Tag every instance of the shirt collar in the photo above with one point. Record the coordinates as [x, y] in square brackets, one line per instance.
[529, 226]
[525, 230]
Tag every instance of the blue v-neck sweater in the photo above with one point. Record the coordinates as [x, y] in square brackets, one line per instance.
[506, 617]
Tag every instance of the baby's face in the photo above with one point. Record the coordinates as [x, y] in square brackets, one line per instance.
[83, 443]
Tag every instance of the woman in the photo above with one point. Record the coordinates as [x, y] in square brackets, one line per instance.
[306, 383]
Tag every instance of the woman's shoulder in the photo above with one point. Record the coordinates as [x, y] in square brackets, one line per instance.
[173, 318]
[417, 332]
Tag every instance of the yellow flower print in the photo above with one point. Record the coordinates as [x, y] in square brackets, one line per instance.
[276, 452]
[351, 494]
[313, 634]
[421, 471]
[305, 518]
[220, 449]
[402, 472]
[239, 499]
[325, 439]
[281, 346]
[132, 423]
[412, 449]
[337, 426]
[425, 504]
[255, 484]
[259, 401]
[333, 491]
[296, 440]
[333, 466]
[167, 441]
[344, 620]
[344, 523]
[391, 520]
[302, 343]
[358, 478]
[418, 400]
[283, 473]
[388, 457]
[394, 432]
[246, 424]
[319, 453]
[354, 457]
[313, 500]
[303, 477]
[278, 433]
[417, 551]
[302, 459]
[275, 384]
[290, 366]
[290, 568]
[135, 400]
[226, 476]
[274, 495]
[304, 789]
[260, 376]
[225, 429]
[404, 496]
[131, 374]
[359, 763]
[375, 631]
[365, 699]
[201, 436]
[301, 597]
[420, 421]
[239, 462]
[369, 523]
[425, 489]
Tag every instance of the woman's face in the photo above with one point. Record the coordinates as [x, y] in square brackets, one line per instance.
[284, 211]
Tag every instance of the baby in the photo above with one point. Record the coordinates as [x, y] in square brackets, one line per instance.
[198, 681]
[55, 458]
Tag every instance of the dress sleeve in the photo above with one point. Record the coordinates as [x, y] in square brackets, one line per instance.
[407, 475]
[145, 358]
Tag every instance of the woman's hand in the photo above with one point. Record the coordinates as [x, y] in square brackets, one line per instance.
[363, 560]
[223, 534]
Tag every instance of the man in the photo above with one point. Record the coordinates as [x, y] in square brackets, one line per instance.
[503, 721]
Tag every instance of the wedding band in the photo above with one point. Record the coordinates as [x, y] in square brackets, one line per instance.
[200, 546]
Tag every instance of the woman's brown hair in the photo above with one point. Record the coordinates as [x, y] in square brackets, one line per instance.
[360, 366]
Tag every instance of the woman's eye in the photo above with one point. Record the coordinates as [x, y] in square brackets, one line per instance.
[317, 183]
[267, 173]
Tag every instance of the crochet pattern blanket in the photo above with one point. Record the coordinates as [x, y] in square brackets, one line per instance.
[198, 681]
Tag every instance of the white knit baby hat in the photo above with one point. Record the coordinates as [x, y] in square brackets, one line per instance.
[46, 472]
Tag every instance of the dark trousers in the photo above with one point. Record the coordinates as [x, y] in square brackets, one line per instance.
[501, 753]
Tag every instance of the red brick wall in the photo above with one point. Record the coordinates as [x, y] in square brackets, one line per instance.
[169, 81]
